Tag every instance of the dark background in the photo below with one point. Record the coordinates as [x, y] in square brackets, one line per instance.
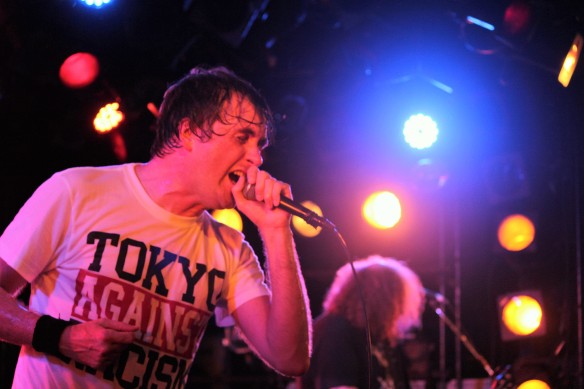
[342, 76]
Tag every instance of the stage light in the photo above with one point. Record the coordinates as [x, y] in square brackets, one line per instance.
[511, 25]
[533, 384]
[478, 35]
[420, 131]
[79, 70]
[521, 315]
[518, 17]
[480, 23]
[570, 61]
[382, 210]
[535, 372]
[95, 3]
[516, 232]
[108, 118]
[153, 109]
[302, 227]
[229, 217]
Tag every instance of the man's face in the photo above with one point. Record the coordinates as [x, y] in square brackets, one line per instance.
[236, 145]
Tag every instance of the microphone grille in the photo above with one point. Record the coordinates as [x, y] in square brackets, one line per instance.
[249, 192]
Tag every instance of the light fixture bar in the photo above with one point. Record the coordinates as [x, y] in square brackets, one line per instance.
[570, 61]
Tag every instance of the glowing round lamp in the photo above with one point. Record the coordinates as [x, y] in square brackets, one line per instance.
[304, 228]
[420, 131]
[534, 384]
[79, 70]
[522, 315]
[382, 210]
[229, 217]
[516, 232]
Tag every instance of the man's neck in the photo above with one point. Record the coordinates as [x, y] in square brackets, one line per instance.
[162, 182]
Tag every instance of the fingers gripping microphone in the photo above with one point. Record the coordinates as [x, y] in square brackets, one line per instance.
[294, 208]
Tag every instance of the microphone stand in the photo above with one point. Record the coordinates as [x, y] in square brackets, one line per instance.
[461, 336]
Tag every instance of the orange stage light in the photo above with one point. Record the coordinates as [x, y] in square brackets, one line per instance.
[516, 232]
[382, 210]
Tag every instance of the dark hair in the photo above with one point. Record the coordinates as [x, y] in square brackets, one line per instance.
[200, 97]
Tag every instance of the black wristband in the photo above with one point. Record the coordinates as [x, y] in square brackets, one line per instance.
[47, 334]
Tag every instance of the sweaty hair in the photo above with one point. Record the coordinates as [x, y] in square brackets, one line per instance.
[393, 294]
[199, 97]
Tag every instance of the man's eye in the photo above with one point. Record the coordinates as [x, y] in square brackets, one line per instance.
[243, 138]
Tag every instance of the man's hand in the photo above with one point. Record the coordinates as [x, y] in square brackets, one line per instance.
[96, 343]
[262, 211]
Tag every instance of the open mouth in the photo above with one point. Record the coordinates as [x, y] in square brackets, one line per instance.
[234, 176]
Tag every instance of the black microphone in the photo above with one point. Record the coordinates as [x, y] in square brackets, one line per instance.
[436, 296]
[294, 208]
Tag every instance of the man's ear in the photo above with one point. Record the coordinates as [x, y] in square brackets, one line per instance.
[185, 134]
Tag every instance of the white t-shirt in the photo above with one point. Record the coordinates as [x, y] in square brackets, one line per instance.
[93, 244]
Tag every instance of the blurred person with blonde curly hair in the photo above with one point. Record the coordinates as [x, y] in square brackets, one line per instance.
[394, 299]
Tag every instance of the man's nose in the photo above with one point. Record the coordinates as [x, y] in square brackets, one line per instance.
[254, 155]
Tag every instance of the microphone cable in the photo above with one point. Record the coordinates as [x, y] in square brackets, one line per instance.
[316, 221]
[368, 344]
